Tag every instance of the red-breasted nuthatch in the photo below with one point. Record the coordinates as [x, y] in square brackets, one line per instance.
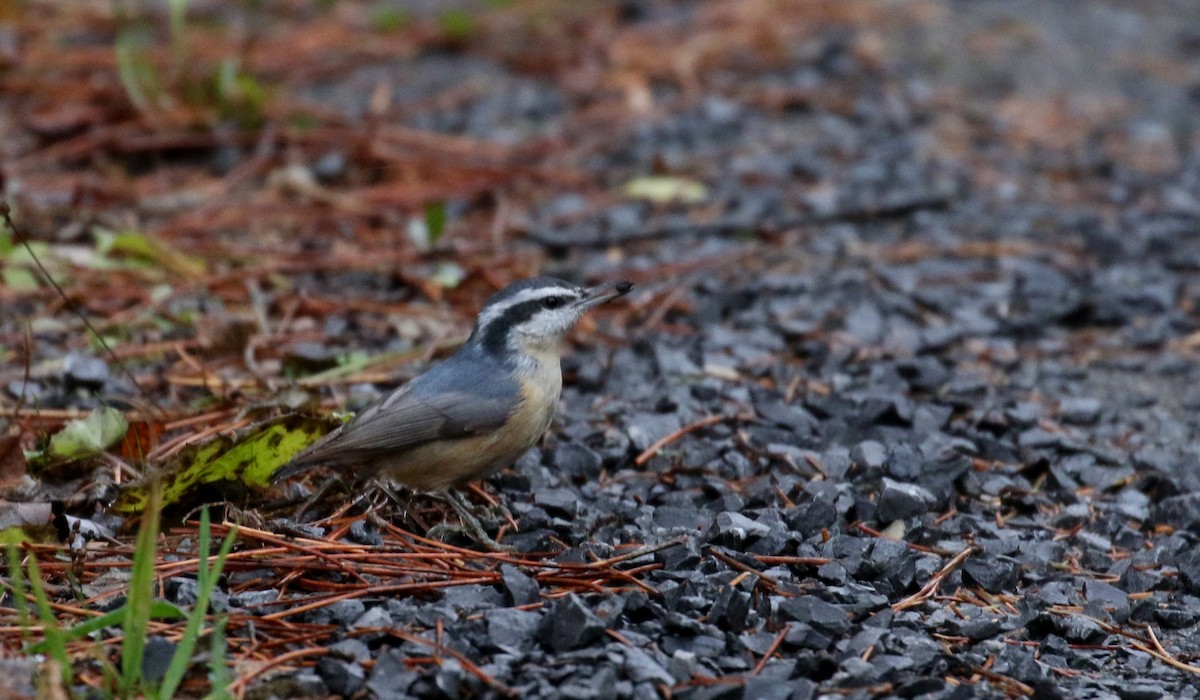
[477, 411]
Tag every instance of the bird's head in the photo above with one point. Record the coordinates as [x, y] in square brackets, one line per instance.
[533, 315]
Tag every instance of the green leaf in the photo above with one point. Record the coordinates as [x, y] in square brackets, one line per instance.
[136, 247]
[435, 220]
[457, 25]
[249, 458]
[660, 190]
[6, 234]
[240, 96]
[19, 279]
[89, 436]
[449, 275]
[389, 19]
[425, 231]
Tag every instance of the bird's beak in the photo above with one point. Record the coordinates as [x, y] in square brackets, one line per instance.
[595, 296]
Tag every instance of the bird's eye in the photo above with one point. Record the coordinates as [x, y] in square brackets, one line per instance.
[553, 302]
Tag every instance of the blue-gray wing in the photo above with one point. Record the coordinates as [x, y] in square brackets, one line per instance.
[449, 401]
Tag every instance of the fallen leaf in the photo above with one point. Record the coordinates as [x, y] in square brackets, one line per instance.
[660, 189]
[141, 439]
[248, 457]
[89, 436]
[13, 467]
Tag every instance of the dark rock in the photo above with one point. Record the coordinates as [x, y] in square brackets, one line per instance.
[898, 501]
[1182, 512]
[340, 677]
[816, 612]
[391, 678]
[85, 372]
[577, 460]
[564, 502]
[1140, 691]
[512, 629]
[306, 356]
[26, 391]
[1188, 564]
[677, 518]
[377, 616]
[735, 528]
[472, 597]
[811, 517]
[521, 589]
[869, 454]
[768, 689]
[364, 532]
[731, 608]
[345, 612]
[330, 166]
[17, 677]
[1080, 411]
[351, 649]
[640, 666]
[156, 658]
[792, 417]
[993, 574]
[569, 625]
[644, 429]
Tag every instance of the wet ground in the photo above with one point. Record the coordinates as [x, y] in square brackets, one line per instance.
[923, 348]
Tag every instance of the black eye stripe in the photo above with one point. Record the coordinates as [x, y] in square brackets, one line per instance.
[494, 337]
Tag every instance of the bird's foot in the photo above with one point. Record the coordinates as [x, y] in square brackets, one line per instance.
[301, 513]
[470, 524]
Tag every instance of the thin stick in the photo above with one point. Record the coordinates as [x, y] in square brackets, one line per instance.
[656, 447]
[238, 686]
[1163, 654]
[930, 588]
[763, 578]
[771, 649]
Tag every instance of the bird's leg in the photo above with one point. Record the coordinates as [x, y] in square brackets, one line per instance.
[318, 495]
[470, 524]
[495, 508]
[385, 487]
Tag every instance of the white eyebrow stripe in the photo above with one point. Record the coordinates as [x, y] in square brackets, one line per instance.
[495, 311]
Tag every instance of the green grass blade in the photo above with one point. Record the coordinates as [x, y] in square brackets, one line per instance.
[177, 19]
[17, 577]
[55, 641]
[218, 672]
[130, 65]
[160, 610]
[139, 600]
[207, 579]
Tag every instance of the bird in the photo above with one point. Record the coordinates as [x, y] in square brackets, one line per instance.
[475, 412]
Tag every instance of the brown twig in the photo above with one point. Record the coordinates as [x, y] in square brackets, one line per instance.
[764, 579]
[1161, 653]
[931, 587]
[775, 644]
[238, 686]
[654, 449]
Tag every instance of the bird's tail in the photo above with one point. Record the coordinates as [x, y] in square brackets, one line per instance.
[310, 457]
[295, 467]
